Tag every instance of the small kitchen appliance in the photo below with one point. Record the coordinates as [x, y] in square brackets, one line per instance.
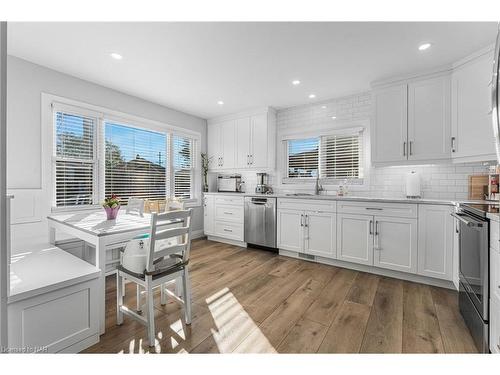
[229, 183]
[413, 185]
[262, 184]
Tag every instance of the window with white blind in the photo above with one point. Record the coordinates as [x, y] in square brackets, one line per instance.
[135, 162]
[182, 154]
[333, 157]
[96, 156]
[75, 159]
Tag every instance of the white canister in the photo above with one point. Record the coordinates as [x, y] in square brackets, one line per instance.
[413, 185]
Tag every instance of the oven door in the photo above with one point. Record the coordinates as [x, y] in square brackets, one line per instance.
[474, 260]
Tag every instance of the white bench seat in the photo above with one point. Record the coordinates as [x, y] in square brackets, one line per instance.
[53, 303]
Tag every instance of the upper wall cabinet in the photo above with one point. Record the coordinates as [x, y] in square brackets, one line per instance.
[243, 141]
[472, 133]
[412, 121]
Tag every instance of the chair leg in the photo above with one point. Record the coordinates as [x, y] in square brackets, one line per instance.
[124, 289]
[151, 313]
[138, 298]
[163, 294]
[186, 286]
[178, 287]
[119, 299]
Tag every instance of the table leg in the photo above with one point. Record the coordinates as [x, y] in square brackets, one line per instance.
[52, 234]
[100, 258]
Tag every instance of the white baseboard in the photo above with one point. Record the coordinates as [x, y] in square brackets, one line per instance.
[374, 270]
[197, 234]
[228, 241]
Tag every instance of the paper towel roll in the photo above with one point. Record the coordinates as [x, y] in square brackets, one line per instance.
[413, 185]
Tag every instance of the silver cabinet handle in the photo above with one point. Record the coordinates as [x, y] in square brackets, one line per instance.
[248, 159]
[227, 230]
[404, 148]
[301, 220]
[453, 144]
[374, 208]
[227, 213]
[370, 229]
[376, 228]
[306, 221]
[251, 159]
[411, 148]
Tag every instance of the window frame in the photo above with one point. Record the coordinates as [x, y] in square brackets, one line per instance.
[319, 134]
[103, 115]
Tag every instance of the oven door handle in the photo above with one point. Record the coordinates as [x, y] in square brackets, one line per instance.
[469, 223]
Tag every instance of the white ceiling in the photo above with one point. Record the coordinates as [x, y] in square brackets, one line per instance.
[190, 66]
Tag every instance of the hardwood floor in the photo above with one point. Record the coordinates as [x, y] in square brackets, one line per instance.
[253, 301]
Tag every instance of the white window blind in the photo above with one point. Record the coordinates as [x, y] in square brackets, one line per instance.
[302, 158]
[135, 162]
[341, 156]
[183, 155]
[74, 159]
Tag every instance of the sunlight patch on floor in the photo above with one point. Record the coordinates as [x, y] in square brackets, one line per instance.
[234, 325]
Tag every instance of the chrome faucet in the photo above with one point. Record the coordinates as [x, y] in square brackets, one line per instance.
[318, 188]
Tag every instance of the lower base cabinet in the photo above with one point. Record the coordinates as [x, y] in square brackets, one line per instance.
[495, 325]
[309, 232]
[355, 238]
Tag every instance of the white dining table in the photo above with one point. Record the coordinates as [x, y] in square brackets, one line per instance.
[101, 234]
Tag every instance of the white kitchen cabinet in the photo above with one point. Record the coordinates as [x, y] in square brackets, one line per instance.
[319, 234]
[243, 141]
[471, 105]
[208, 215]
[436, 228]
[290, 234]
[429, 125]
[221, 145]
[395, 243]
[390, 131]
[495, 326]
[355, 238]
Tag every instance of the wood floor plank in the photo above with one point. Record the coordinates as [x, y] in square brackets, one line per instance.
[455, 335]
[346, 333]
[285, 268]
[420, 324]
[384, 330]
[282, 320]
[325, 307]
[305, 337]
[363, 288]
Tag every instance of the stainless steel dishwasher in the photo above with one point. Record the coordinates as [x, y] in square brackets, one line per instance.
[260, 221]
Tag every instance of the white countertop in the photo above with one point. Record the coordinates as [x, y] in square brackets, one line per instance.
[355, 198]
[41, 271]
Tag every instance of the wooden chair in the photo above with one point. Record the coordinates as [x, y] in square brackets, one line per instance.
[166, 260]
[135, 206]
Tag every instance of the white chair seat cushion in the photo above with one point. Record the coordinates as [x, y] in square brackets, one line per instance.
[136, 252]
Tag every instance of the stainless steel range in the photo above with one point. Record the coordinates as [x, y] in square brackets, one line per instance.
[474, 269]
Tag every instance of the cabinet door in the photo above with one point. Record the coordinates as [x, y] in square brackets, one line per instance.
[471, 105]
[258, 152]
[290, 230]
[213, 146]
[495, 326]
[389, 133]
[429, 125]
[354, 238]
[320, 234]
[435, 241]
[243, 142]
[228, 144]
[395, 244]
[208, 214]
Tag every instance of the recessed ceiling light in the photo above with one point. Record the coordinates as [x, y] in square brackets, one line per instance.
[312, 96]
[323, 107]
[220, 102]
[424, 46]
[334, 117]
[116, 56]
[295, 82]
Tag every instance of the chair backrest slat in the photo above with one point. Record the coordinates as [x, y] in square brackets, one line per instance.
[181, 233]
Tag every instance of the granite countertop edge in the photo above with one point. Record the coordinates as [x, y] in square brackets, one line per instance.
[450, 202]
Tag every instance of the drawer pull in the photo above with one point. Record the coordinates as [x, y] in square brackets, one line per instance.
[227, 230]
[374, 208]
[227, 213]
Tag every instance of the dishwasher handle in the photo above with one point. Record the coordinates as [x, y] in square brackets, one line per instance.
[464, 219]
[259, 201]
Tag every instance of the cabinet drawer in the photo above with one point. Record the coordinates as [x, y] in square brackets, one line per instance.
[495, 274]
[231, 231]
[494, 235]
[317, 205]
[495, 325]
[229, 199]
[378, 208]
[230, 213]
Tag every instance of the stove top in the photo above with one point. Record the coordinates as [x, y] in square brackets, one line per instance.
[481, 209]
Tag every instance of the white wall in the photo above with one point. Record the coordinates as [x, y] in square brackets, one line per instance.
[26, 82]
